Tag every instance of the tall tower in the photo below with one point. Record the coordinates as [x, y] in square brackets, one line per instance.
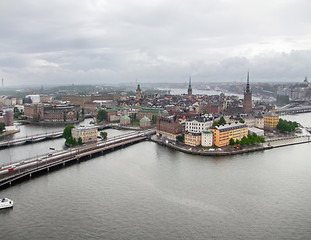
[189, 88]
[247, 103]
[138, 92]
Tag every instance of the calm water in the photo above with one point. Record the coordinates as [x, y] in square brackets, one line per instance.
[147, 191]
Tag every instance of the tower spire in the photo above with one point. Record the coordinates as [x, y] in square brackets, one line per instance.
[247, 84]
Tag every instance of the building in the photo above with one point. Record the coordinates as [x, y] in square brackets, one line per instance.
[125, 120]
[259, 122]
[138, 92]
[207, 138]
[223, 133]
[258, 131]
[150, 113]
[145, 122]
[192, 139]
[271, 120]
[189, 89]
[250, 121]
[33, 98]
[198, 124]
[169, 127]
[247, 102]
[52, 113]
[87, 134]
[6, 117]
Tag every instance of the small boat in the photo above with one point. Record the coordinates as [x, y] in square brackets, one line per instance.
[6, 203]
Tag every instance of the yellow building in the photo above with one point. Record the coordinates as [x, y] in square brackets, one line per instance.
[271, 120]
[193, 139]
[223, 133]
[87, 134]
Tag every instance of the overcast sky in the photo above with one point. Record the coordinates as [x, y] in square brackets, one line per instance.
[103, 42]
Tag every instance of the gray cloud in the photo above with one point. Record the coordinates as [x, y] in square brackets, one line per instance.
[97, 41]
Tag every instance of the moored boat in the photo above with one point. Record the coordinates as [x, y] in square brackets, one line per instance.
[6, 203]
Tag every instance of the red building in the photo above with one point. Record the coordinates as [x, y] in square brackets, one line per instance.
[169, 127]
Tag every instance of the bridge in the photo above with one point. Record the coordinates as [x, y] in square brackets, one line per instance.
[44, 136]
[31, 139]
[293, 110]
[26, 168]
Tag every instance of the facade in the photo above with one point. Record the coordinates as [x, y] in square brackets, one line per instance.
[250, 121]
[271, 120]
[7, 117]
[247, 102]
[87, 134]
[223, 133]
[52, 113]
[192, 139]
[207, 138]
[145, 122]
[198, 124]
[169, 127]
[259, 122]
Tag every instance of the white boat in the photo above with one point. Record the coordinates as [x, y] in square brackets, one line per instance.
[6, 203]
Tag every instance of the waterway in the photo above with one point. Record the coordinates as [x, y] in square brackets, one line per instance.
[147, 191]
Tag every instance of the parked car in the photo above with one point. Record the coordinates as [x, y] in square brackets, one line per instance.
[11, 167]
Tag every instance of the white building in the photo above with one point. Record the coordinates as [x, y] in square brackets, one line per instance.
[198, 125]
[250, 121]
[34, 98]
[258, 131]
[207, 138]
[259, 122]
[87, 134]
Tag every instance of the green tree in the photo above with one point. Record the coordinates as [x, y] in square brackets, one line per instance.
[180, 138]
[79, 141]
[222, 121]
[231, 141]
[67, 132]
[154, 119]
[82, 111]
[2, 127]
[215, 123]
[78, 115]
[242, 120]
[103, 135]
[102, 115]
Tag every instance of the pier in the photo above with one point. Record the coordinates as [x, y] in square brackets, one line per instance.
[26, 168]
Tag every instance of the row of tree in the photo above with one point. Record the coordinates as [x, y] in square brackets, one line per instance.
[249, 140]
[286, 126]
[2, 127]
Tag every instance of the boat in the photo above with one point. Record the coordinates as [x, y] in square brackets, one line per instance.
[6, 203]
[308, 129]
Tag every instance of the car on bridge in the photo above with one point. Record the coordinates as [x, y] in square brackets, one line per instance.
[11, 167]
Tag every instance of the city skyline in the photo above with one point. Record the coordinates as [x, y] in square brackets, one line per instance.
[99, 42]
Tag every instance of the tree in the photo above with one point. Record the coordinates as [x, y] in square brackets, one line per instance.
[222, 121]
[231, 141]
[103, 135]
[154, 119]
[180, 138]
[2, 127]
[242, 120]
[82, 111]
[78, 116]
[79, 141]
[102, 115]
[215, 123]
[67, 132]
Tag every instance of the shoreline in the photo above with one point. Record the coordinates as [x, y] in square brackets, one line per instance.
[234, 151]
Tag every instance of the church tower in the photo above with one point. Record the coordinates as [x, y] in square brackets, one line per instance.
[247, 103]
[138, 93]
[189, 88]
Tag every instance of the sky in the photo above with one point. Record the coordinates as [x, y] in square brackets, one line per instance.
[121, 41]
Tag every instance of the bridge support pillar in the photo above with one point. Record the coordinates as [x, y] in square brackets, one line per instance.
[30, 175]
[48, 169]
[64, 164]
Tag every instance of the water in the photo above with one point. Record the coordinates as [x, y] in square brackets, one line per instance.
[147, 191]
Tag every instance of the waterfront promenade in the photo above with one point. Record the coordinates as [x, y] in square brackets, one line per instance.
[229, 150]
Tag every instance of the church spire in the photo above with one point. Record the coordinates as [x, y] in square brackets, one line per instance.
[247, 84]
[189, 88]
